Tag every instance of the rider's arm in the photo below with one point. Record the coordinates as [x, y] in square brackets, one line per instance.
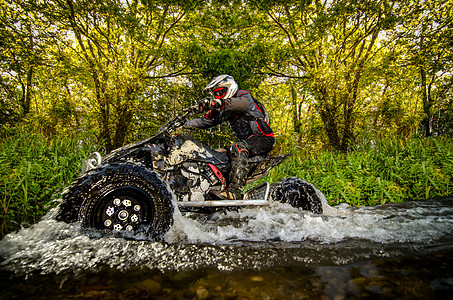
[206, 121]
[216, 116]
[238, 104]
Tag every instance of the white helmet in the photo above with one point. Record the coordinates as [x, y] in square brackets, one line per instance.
[222, 87]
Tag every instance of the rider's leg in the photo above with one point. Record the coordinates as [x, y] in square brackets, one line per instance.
[239, 166]
[238, 174]
[240, 152]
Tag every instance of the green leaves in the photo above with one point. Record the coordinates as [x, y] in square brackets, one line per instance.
[386, 171]
[358, 69]
[33, 171]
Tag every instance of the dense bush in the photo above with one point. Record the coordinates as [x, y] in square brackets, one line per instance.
[33, 170]
[380, 172]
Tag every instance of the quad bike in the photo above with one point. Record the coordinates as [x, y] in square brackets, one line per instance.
[131, 188]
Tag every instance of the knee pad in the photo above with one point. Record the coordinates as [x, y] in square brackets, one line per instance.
[239, 150]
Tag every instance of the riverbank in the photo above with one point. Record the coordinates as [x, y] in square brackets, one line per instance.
[34, 169]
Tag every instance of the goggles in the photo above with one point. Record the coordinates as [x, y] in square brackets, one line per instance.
[219, 93]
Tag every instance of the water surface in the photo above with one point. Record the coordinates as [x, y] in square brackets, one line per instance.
[278, 252]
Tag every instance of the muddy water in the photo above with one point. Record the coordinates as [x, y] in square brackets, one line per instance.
[279, 252]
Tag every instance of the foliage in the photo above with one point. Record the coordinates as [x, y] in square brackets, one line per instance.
[378, 172]
[118, 47]
[293, 116]
[334, 75]
[424, 38]
[22, 47]
[330, 46]
[342, 69]
[34, 170]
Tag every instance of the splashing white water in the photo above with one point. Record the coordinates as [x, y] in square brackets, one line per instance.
[285, 223]
[253, 237]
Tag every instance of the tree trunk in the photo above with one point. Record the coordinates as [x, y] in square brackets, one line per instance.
[296, 116]
[125, 115]
[426, 102]
[103, 100]
[350, 100]
[328, 113]
[26, 92]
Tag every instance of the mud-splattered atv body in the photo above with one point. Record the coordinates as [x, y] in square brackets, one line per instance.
[130, 187]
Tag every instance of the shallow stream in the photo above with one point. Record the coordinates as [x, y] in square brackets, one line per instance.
[402, 251]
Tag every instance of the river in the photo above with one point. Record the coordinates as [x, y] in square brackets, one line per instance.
[401, 251]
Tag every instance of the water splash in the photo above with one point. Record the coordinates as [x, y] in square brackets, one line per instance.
[244, 238]
[382, 224]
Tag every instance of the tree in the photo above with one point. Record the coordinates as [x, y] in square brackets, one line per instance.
[128, 64]
[21, 47]
[225, 42]
[426, 35]
[328, 46]
[115, 49]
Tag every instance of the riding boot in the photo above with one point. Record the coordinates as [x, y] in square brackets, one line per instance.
[237, 178]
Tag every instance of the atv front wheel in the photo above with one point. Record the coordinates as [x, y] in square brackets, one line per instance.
[121, 197]
[297, 193]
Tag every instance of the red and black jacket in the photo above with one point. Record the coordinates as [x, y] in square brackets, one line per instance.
[246, 116]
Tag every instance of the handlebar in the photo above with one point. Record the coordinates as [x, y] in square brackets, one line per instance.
[172, 124]
[178, 120]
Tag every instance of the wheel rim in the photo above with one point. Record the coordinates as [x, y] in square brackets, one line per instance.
[123, 209]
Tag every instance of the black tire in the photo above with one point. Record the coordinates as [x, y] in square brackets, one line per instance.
[118, 197]
[296, 192]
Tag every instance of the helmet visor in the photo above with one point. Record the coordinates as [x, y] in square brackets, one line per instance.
[219, 93]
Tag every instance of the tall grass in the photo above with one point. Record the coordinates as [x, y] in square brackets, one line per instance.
[33, 169]
[385, 171]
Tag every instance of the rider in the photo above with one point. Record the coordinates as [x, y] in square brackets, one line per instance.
[249, 121]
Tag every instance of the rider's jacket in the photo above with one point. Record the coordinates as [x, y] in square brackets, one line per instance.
[246, 116]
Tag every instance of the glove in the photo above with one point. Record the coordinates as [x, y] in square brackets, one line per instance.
[183, 126]
[210, 103]
[205, 104]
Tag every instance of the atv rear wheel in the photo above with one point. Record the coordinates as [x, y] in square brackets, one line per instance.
[122, 197]
[297, 193]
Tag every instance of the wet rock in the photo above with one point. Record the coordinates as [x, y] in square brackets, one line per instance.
[257, 278]
[356, 285]
[151, 287]
[377, 285]
[96, 294]
[166, 292]
[374, 289]
[265, 296]
[227, 294]
[158, 279]
[318, 285]
[189, 293]
[202, 293]
[131, 294]
[186, 278]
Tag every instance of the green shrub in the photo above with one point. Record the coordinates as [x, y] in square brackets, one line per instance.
[386, 171]
[33, 170]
